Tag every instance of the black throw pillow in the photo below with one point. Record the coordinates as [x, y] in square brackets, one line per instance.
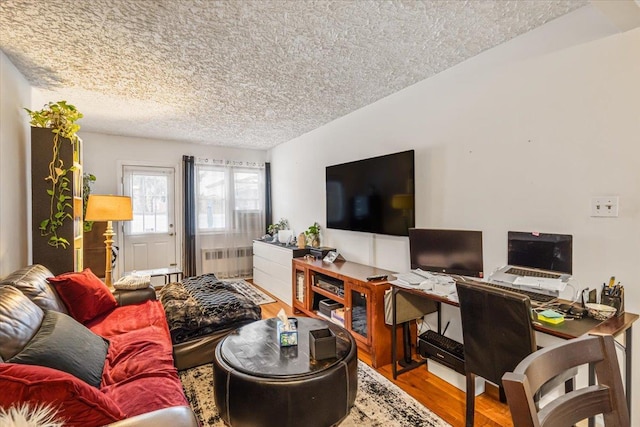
[64, 344]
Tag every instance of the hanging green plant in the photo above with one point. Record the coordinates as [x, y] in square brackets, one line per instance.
[61, 118]
[87, 180]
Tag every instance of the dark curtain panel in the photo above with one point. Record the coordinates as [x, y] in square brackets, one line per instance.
[189, 217]
[267, 199]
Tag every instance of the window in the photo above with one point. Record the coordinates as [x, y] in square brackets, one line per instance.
[211, 199]
[224, 194]
[149, 193]
[247, 191]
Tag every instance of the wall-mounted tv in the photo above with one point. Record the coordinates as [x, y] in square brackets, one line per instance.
[446, 251]
[374, 195]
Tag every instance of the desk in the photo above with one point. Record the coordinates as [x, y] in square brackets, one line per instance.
[565, 330]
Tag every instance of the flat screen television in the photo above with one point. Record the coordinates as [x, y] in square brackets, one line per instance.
[374, 195]
[446, 251]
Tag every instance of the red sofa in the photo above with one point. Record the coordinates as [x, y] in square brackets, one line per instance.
[59, 335]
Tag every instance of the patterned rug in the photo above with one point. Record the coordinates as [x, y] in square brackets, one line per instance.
[247, 289]
[379, 402]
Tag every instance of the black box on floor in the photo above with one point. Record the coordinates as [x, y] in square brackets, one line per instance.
[432, 350]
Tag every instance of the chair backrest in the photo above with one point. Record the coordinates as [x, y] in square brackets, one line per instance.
[606, 397]
[496, 328]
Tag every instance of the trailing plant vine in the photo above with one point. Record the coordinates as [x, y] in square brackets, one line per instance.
[61, 118]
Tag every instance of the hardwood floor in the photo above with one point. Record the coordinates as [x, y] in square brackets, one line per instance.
[440, 397]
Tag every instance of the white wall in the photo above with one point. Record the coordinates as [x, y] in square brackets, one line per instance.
[518, 138]
[15, 93]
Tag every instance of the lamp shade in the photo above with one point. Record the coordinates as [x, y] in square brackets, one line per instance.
[103, 207]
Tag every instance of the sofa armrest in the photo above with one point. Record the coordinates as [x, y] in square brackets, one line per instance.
[176, 416]
[128, 297]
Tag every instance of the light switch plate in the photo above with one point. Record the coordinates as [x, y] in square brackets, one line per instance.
[604, 206]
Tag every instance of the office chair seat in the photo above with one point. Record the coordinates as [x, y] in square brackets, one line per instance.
[606, 397]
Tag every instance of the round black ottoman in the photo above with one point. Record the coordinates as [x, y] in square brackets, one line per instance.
[258, 383]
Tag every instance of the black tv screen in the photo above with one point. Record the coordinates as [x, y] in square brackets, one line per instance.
[374, 195]
[545, 251]
[446, 251]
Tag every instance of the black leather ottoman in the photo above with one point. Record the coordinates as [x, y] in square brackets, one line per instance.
[258, 383]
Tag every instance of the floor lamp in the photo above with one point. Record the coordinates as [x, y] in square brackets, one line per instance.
[108, 208]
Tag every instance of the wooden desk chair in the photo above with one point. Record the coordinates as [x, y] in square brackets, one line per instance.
[498, 334]
[606, 397]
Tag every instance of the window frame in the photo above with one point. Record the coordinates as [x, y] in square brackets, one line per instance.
[230, 210]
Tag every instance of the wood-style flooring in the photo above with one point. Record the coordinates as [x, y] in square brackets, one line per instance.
[440, 397]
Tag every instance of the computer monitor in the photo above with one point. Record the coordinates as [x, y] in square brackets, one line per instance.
[446, 251]
[545, 251]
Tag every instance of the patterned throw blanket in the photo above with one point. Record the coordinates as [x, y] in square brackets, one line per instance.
[202, 305]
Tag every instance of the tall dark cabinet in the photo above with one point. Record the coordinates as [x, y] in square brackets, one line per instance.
[58, 260]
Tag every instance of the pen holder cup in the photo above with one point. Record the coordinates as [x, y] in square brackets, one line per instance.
[289, 337]
[322, 344]
[616, 302]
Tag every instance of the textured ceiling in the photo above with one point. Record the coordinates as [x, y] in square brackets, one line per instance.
[245, 73]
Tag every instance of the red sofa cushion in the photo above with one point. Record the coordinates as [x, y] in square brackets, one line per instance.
[139, 374]
[129, 318]
[76, 401]
[84, 294]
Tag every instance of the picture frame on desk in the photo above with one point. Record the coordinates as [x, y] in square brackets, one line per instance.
[333, 256]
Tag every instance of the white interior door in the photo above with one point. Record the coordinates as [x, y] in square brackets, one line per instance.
[149, 241]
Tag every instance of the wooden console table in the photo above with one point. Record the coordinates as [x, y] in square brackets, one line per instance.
[346, 283]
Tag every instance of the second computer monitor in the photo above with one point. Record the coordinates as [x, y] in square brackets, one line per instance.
[544, 251]
[446, 251]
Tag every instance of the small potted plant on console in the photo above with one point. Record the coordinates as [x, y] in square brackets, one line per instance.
[278, 227]
[313, 235]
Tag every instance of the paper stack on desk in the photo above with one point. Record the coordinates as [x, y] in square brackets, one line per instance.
[412, 278]
[444, 285]
[436, 284]
[551, 316]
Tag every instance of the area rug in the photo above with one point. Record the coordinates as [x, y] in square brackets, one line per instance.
[379, 402]
[248, 290]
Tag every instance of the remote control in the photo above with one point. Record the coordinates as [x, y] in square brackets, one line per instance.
[378, 277]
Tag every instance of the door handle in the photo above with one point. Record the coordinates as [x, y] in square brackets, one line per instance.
[171, 234]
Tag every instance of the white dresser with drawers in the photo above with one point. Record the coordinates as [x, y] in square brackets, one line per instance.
[272, 268]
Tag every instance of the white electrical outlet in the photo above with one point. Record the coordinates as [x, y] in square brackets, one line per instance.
[604, 206]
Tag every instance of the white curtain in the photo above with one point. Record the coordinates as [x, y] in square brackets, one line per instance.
[230, 213]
